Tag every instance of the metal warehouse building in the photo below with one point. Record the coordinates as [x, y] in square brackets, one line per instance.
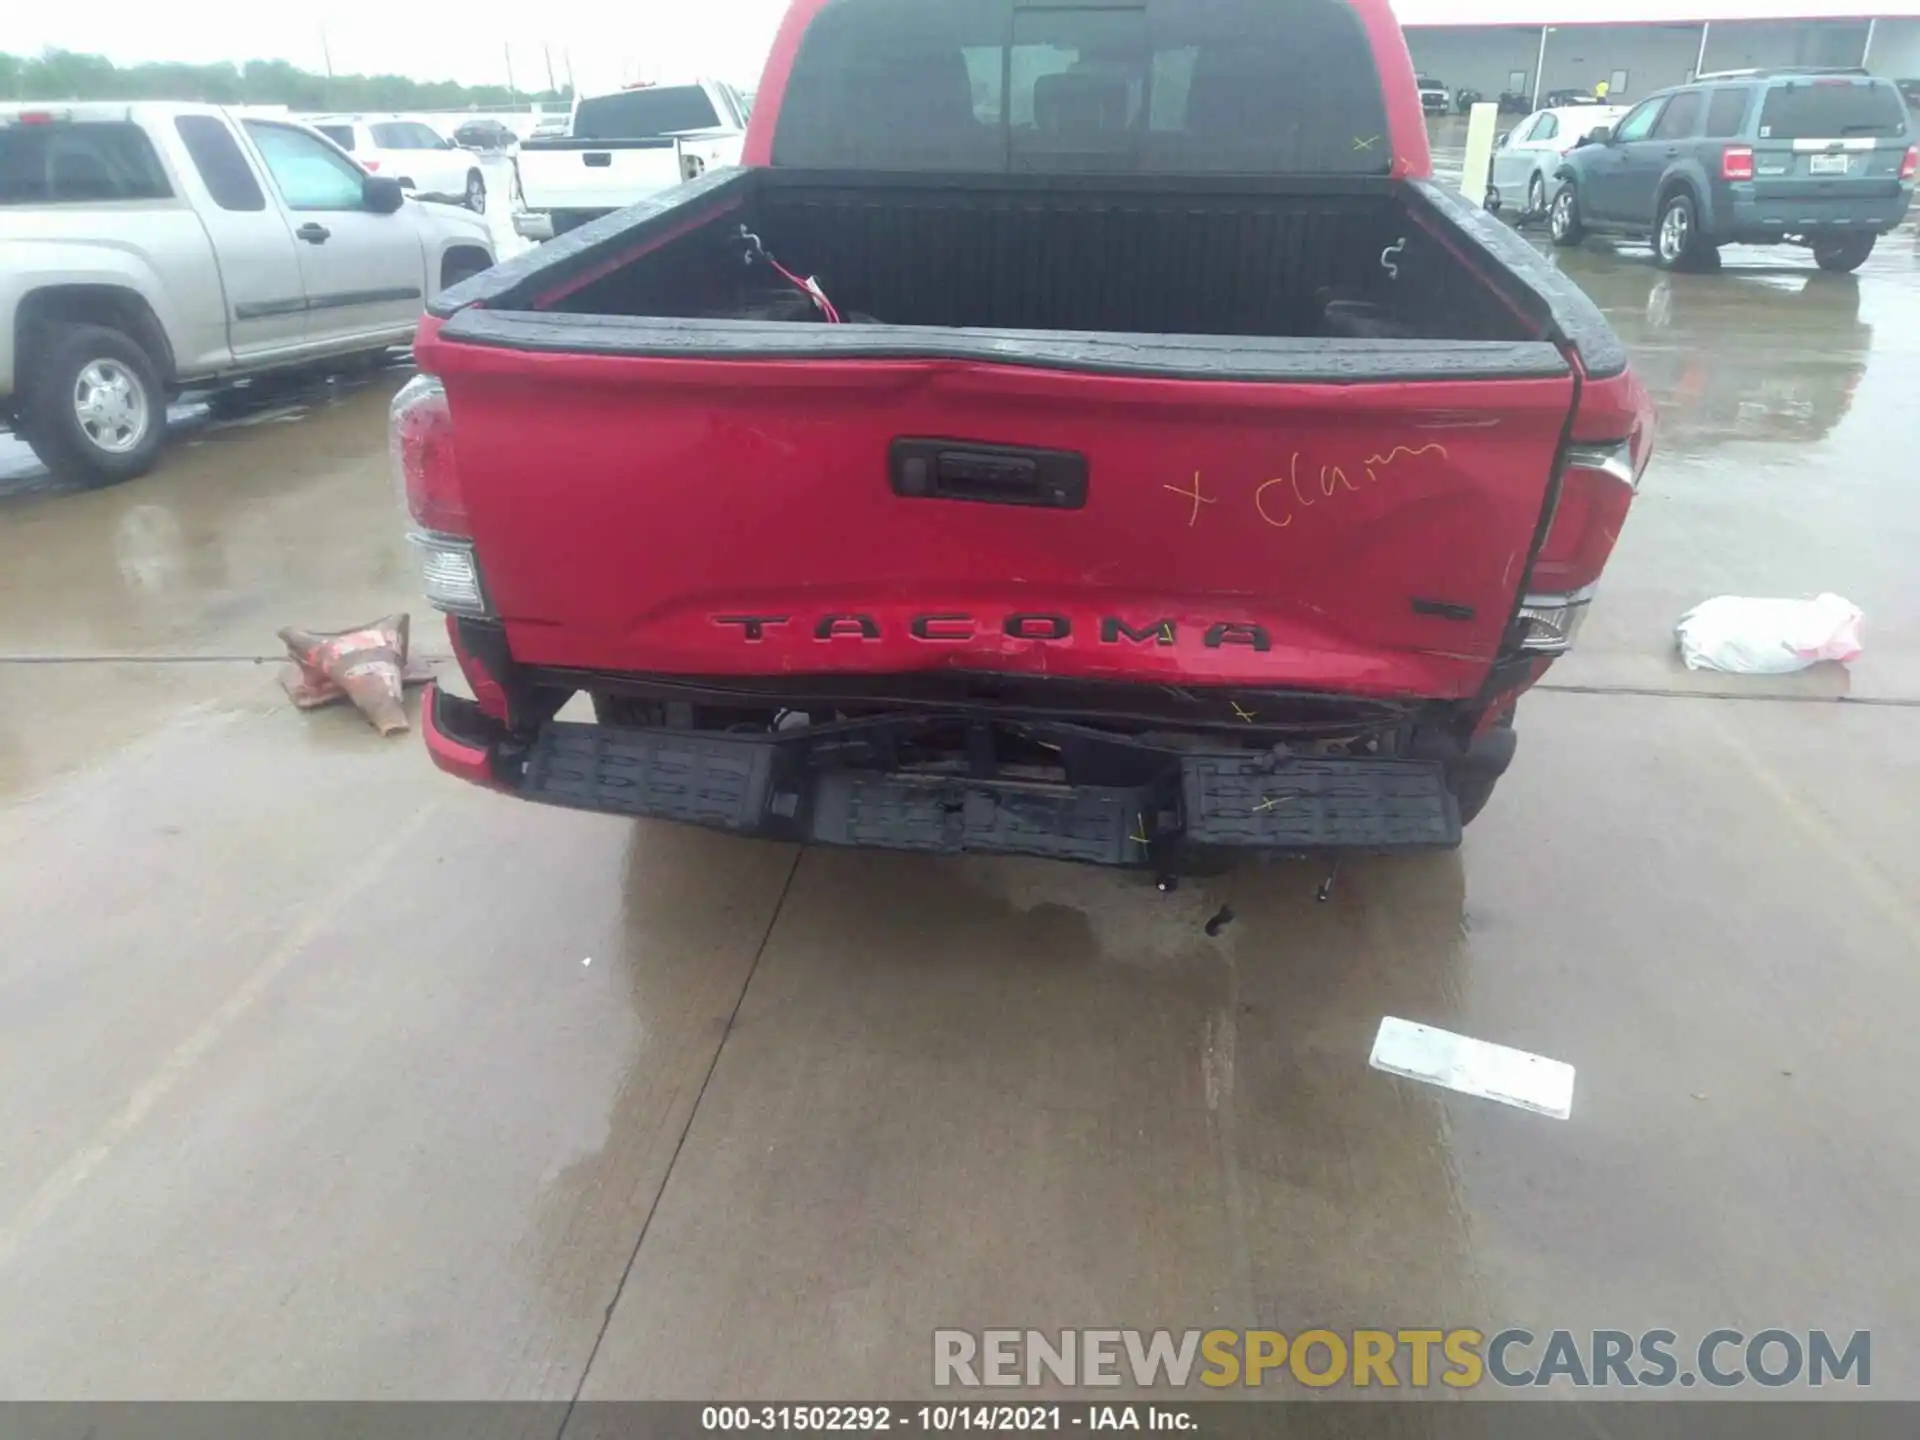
[1533, 46]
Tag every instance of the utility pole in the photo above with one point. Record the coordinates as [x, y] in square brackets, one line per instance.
[326, 55]
[512, 94]
[548, 53]
[566, 57]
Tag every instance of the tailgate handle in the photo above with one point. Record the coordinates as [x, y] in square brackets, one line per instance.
[988, 474]
[598, 159]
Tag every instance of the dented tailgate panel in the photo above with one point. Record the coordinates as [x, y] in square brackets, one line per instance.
[738, 517]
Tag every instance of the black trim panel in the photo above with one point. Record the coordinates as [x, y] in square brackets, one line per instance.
[340, 300]
[262, 309]
[1175, 357]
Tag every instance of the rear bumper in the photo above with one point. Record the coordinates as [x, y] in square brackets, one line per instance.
[1750, 221]
[1168, 806]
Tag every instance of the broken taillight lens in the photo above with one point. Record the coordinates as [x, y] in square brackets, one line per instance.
[1736, 163]
[1596, 489]
[428, 478]
[420, 438]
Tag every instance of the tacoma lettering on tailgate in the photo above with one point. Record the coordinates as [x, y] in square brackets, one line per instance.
[958, 625]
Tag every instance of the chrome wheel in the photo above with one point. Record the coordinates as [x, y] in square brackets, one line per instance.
[111, 405]
[1562, 218]
[1536, 194]
[476, 194]
[1676, 231]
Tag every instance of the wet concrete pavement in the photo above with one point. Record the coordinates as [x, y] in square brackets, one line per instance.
[307, 1087]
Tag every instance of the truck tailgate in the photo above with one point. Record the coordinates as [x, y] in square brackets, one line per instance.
[697, 516]
[595, 175]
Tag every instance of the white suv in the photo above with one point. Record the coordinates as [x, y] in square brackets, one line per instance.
[410, 151]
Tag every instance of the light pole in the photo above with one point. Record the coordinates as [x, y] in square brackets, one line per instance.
[1540, 65]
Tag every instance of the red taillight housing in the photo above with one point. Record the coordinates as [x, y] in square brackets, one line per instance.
[1736, 162]
[1911, 163]
[427, 475]
[1596, 489]
[370, 166]
[420, 434]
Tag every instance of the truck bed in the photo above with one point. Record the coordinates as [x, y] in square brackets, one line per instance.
[1307, 436]
[1342, 259]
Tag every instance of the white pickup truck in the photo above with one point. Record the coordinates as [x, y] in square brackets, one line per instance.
[622, 148]
[146, 249]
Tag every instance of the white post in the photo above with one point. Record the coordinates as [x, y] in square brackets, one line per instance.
[1540, 64]
[1700, 60]
[1482, 120]
[1867, 49]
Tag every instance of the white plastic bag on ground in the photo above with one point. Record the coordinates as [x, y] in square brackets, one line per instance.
[1768, 637]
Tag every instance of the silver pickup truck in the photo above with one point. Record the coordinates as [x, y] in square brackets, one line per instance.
[146, 249]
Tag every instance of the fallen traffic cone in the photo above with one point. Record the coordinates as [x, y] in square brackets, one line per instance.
[367, 666]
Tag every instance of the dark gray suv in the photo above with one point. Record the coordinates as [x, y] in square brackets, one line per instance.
[1820, 158]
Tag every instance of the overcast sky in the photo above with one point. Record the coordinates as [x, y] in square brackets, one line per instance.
[610, 44]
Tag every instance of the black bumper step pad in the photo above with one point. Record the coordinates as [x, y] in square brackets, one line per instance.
[1318, 804]
[762, 785]
[700, 779]
[1090, 823]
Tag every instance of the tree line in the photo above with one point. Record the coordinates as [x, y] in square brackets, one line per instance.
[65, 75]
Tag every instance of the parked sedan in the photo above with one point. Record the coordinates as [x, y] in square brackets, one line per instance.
[1527, 157]
[485, 133]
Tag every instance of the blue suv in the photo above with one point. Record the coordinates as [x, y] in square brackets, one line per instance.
[1820, 158]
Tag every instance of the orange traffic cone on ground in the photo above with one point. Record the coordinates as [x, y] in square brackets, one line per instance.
[367, 665]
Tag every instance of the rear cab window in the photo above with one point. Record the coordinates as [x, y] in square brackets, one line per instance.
[1831, 108]
[645, 114]
[60, 162]
[1218, 86]
[223, 169]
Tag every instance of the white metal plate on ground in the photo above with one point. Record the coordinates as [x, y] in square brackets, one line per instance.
[1473, 1067]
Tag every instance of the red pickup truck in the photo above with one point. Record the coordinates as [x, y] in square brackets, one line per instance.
[1076, 432]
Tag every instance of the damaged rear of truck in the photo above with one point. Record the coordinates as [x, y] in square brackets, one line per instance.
[1074, 432]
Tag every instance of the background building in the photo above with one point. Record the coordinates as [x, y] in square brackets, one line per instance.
[1534, 46]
